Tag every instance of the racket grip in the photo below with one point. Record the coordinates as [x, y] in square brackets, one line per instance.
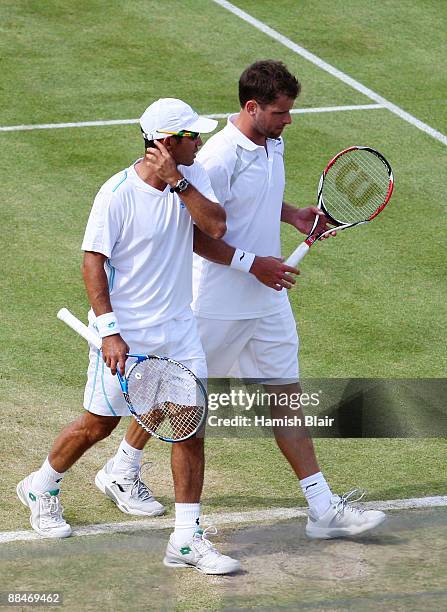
[78, 326]
[297, 255]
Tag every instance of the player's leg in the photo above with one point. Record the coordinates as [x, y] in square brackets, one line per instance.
[77, 438]
[297, 446]
[188, 546]
[121, 477]
[130, 452]
[272, 355]
[188, 465]
[40, 490]
[295, 442]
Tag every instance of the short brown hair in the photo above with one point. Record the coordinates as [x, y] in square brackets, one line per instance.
[265, 80]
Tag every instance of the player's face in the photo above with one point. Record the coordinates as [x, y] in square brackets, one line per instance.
[270, 120]
[185, 150]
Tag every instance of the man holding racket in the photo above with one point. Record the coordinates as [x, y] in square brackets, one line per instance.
[138, 275]
[244, 316]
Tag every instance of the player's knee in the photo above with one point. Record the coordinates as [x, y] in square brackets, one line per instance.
[99, 427]
[193, 445]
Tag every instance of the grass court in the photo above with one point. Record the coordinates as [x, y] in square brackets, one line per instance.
[369, 303]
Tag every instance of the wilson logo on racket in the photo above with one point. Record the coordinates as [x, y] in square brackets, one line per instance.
[353, 183]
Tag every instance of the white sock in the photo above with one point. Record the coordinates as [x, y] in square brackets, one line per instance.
[317, 493]
[186, 522]
[127, 458]
[46, 479]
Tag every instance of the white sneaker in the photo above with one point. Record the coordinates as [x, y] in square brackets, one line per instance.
[128, 491]
[46, 510]
[343, 520]
[200, 554]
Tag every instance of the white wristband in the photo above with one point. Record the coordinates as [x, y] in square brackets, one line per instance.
[242, 260]
[107, 324]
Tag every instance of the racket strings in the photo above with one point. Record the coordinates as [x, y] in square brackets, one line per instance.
[174, 421]
[355, 186]
[166, 398]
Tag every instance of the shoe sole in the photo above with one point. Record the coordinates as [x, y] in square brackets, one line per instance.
[104, 489]
[175, 565]
[23, 498]
[323, 534]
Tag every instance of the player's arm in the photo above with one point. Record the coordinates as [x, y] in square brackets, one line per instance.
[303, 218]
[270, 271]
[114, 348]
[209, 216]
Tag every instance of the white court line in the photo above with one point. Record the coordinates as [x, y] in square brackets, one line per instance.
[332, 70]
[228, 518]
[295, 111]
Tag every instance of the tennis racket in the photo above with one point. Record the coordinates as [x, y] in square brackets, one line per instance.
[354, 188]
[163, 395]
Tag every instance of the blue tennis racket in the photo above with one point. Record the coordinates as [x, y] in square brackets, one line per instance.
[166, 399]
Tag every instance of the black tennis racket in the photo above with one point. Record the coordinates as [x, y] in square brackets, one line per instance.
[166, 399]
[354, 188]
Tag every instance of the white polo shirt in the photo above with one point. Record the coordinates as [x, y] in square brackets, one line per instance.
[147, 235]
[248, 181]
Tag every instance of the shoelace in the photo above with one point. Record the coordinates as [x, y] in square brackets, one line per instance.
[203, 545]
[52, 507]
[138, 487]
[345, 500]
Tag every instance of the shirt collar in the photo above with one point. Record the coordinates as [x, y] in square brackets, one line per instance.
[242, 140]
[238, 137]
[135, 177]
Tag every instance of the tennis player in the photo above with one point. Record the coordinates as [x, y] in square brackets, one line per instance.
[138, 275]
[243, 312]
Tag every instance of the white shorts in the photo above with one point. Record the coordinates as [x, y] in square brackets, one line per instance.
[264, 349]
[177, 339]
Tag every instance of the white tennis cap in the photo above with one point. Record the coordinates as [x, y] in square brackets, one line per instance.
[172, 115]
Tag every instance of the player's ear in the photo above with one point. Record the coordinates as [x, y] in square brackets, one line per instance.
[168, 142]
[251, 107]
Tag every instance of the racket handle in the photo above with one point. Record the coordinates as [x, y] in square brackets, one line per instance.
[78, 326]
[297, 255]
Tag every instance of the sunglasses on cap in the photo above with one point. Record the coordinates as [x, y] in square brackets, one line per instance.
[182, 134]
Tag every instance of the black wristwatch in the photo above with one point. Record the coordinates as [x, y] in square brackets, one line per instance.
[181, 185]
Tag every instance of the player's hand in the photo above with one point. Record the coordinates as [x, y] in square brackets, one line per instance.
[114, 353]
[304, 219]
[161, 163]
[273, 272]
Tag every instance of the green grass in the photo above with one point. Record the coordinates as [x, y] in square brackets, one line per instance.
[393, 48]
[370, 303]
